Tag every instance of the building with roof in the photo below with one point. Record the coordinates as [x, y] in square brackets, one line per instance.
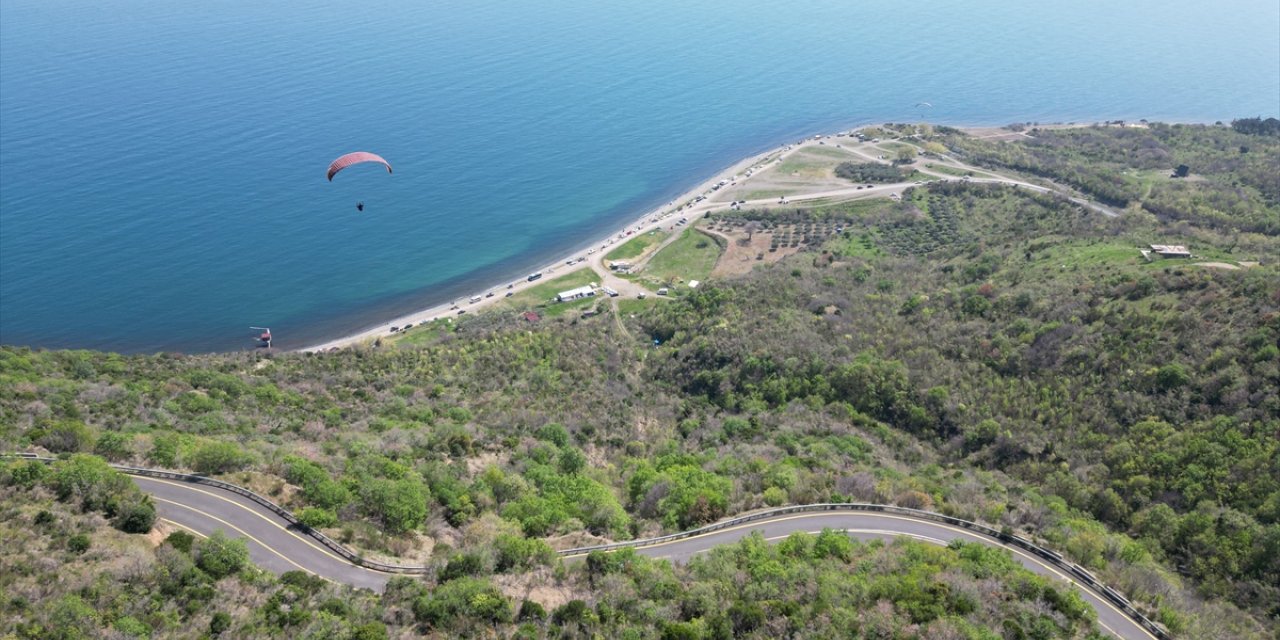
[1170, 251]
[575, 294]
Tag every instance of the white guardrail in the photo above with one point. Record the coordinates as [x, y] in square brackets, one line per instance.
[1048, 555]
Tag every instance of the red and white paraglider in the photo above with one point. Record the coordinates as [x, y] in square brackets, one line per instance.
[355, 158]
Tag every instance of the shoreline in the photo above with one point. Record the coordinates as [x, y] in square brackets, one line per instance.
[652, 219]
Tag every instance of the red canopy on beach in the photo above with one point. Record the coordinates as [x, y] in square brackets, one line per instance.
[355, 158]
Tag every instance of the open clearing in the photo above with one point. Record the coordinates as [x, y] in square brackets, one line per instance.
[637, 246]
[692, 256]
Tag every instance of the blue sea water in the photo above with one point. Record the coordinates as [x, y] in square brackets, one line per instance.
[162, 163]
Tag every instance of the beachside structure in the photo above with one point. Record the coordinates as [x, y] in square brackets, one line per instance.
[1170, 251]
[620, 266]
[575, 294]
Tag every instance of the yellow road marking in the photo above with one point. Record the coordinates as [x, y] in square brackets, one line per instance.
[1101, 598]
[817, 514]
[182, 526]
[875, 531]
[273, 523]
[243, 533]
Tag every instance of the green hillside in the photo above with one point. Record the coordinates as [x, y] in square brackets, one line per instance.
[982, 350]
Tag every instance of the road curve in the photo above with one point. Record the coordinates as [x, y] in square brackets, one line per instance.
[275, 546]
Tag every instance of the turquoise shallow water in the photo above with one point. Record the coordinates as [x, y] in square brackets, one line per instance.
[162, 164]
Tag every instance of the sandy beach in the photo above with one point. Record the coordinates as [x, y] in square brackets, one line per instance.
[653, 219]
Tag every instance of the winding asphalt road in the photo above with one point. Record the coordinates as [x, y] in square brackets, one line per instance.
[275, 546]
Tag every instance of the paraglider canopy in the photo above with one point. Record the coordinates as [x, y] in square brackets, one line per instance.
[355, 158]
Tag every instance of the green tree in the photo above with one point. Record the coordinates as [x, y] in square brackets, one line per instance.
[92, 482]
[220, 556]
[218, 457]
[72, 619]
[370, 631]
[131, 627]
[696, 497]
[136, 514]
[67, 436]
[114, 446]
[462, 602]
[1171, 376]
[401, 505]
[78, 543]
[164, 450]
[220, 622]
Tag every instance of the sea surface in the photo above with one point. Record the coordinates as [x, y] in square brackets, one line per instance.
[162, 164]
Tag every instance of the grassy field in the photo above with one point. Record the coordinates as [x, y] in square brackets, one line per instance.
[808, 163]
[424, 333]
[851, 208]
[922, 177]
[956, 171]
[1093, 262]
[628, 306]
[543, 295]
[691, 257]
[896, 146]
[830, 152]
[762, 194]
[636, 246]
[854, 245]
[951, 171]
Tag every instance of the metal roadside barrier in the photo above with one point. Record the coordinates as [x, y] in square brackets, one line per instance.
[1049, 555]
[1052, 557]
[284, 514]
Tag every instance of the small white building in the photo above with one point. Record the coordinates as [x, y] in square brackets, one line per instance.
[693, 284]
[575, 294]
[1171, 250]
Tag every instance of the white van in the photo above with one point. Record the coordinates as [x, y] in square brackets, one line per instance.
[662, 291]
